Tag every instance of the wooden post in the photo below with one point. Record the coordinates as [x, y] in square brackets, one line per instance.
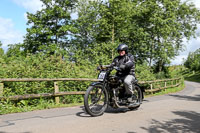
[165, 85]
[1, 89]
[151, 85]
[56, 90]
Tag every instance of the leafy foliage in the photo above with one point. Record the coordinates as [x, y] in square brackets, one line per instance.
[57, 46]
[193, 61]
[51, 27]
[154, 30]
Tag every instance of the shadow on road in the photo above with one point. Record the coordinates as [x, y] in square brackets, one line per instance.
[189, 122]
[117, 111]
[108, 110]
[83, 113]
[183, 97]
[18, 132]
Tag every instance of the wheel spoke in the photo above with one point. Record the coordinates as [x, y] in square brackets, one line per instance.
[95, 100]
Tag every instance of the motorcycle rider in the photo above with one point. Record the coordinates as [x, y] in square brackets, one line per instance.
[125, 61]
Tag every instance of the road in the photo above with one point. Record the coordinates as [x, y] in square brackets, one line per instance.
[172, 113]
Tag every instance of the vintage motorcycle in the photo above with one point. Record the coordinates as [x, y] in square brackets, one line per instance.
[109, 90]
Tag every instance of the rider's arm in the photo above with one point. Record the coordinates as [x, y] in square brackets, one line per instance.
[129, 62]
[114, 63]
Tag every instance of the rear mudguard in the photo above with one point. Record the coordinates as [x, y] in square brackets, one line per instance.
[142, 89]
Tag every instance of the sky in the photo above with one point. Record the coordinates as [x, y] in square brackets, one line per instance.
[13, 25]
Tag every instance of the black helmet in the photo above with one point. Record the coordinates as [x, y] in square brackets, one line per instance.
[122, 47]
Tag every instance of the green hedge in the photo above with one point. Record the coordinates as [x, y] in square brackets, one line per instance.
[42, 66]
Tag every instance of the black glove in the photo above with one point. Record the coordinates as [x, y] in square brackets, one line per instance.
[122, 67]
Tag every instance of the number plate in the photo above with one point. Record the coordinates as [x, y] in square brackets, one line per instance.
[102, 75]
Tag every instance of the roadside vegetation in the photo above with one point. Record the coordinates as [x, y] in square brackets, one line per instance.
[168, 90]
[192, 64]
[192, 76]
[59, 46]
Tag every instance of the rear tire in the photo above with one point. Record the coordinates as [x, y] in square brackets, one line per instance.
[96, 100]
[138, 100]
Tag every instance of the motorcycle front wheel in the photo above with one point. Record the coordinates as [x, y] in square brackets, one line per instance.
[96, 100]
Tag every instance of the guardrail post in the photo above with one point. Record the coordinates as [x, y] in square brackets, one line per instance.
[56, 90]
[151, 85]
[176, 81]
[165, 85]
[1, 89]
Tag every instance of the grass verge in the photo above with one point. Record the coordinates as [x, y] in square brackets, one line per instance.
[192, 76]
[167, 91]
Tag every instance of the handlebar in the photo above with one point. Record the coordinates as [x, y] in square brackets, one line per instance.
[117, 68]
[110, 67]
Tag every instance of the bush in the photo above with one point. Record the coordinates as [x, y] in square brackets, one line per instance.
[54, 66]
[42, 66]
[144, 72]
[193, 61]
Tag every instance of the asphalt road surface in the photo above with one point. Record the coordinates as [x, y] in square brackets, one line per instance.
[172, 113]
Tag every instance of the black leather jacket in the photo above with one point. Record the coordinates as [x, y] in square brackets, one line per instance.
[129, 63]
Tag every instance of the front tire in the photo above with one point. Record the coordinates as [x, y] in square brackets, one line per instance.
[96, 100]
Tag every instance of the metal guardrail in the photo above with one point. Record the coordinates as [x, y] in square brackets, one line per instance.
[56, 93]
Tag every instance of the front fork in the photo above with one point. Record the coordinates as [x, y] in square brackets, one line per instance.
[104, 85]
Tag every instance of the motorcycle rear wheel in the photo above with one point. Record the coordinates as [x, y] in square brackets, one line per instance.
[96, 100]
[138, 98]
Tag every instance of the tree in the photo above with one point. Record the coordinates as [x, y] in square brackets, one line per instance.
[14, 50]
[193, 60]
[1, 50]
[1, 58]
[51, 28]
[164, 25]
[154, 29]
[102, 25]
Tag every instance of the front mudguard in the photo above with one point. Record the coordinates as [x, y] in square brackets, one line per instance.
[96, 83]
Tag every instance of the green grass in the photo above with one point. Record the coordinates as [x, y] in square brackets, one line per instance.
[193, 77]
[167, 91]
[7, 108]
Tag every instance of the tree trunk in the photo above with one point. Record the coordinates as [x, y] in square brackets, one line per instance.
[160, 65]
[113, 38]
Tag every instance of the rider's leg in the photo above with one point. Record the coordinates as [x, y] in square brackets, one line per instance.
[128, 83]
